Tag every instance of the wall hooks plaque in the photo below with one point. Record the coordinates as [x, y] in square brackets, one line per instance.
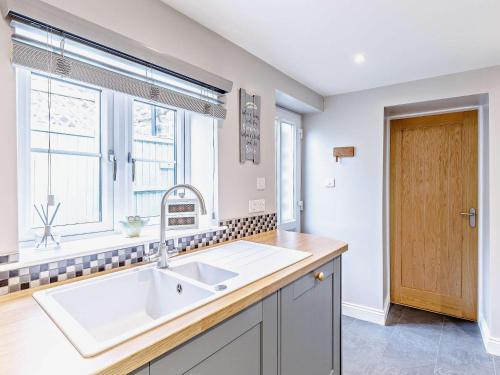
[249, 127]
[343, 152]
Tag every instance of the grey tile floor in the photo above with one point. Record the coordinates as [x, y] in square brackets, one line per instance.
[415, 342]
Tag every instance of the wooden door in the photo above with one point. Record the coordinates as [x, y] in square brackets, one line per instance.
[433, 185]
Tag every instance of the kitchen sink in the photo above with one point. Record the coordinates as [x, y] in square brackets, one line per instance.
[102, 312]
[204, 273]
[99, 313]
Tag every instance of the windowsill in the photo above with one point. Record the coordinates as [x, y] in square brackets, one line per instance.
[30, 256]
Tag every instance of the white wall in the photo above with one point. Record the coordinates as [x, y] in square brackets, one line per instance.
[8, 149]
[167, 31]
[354, 210]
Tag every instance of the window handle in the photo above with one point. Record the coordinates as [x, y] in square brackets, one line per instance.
[112, 159]
[132, 161]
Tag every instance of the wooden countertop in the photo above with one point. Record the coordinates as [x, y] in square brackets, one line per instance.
[30, 343]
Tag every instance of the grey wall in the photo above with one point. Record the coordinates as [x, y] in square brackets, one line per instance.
[354, 210]
[162, 28]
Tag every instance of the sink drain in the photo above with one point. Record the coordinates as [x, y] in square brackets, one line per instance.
[220, 287]
[179, 288]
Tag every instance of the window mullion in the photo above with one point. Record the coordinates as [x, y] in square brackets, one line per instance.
[122, 146]
[107, 188]
[184, 143]
[24, 155]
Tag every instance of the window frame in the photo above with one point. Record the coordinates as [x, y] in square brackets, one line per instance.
[124, 138]
[23, 111]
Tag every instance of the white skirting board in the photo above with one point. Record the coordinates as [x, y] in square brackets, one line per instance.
[369, 314]
[491, 344]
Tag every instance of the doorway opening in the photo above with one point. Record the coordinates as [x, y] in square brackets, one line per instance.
[433, 212]
[479, 102]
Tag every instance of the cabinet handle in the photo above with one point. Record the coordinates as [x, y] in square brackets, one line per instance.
[320, 276]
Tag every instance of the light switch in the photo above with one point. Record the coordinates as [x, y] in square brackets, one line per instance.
[330, 183]
[261, 183]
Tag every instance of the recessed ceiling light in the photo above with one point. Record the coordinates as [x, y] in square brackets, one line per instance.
[359, 58]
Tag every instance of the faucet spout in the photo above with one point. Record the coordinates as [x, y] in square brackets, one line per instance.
[163, 252]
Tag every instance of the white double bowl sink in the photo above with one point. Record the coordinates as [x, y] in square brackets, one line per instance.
[99, 313]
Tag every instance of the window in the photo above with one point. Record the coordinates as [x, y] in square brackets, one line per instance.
[155, 143]
[288, 135]
[90, 126]
[78, 136]
[287, 172]
[76, 149]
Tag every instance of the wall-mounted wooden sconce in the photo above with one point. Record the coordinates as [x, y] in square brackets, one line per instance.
[343, 152]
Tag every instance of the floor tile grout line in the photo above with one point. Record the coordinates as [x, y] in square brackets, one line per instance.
[397, 323]
[439, 345]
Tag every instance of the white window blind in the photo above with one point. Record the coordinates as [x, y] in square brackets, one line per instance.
[51, 51]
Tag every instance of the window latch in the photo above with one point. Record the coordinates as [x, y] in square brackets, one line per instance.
[301, 205]
[112, 159]
[131, 160]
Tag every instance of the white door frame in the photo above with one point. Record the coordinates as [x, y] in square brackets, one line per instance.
[295, 119]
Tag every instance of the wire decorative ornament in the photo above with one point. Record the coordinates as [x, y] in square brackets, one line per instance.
[47, 237]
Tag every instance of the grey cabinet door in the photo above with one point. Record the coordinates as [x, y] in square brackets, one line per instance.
[310, 324]
[144, 370]
[242, 356]
[245, 344]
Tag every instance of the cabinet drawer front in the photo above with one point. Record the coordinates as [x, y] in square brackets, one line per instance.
[308, 281]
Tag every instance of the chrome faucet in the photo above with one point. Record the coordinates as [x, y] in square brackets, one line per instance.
[163, 252]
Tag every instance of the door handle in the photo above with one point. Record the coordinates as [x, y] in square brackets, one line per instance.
[472, 217]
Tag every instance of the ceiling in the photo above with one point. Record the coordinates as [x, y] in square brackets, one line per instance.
[315, 41]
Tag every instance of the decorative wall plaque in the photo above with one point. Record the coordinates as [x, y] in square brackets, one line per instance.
[249, 127]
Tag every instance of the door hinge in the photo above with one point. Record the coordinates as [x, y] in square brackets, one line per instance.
[301, 133]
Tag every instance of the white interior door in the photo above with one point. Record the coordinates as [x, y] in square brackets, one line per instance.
[288, 169]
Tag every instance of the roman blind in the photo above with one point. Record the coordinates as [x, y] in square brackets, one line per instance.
[42, 48]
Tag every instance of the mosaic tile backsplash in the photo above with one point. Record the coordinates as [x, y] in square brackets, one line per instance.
[47, 273]
[9, 258]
